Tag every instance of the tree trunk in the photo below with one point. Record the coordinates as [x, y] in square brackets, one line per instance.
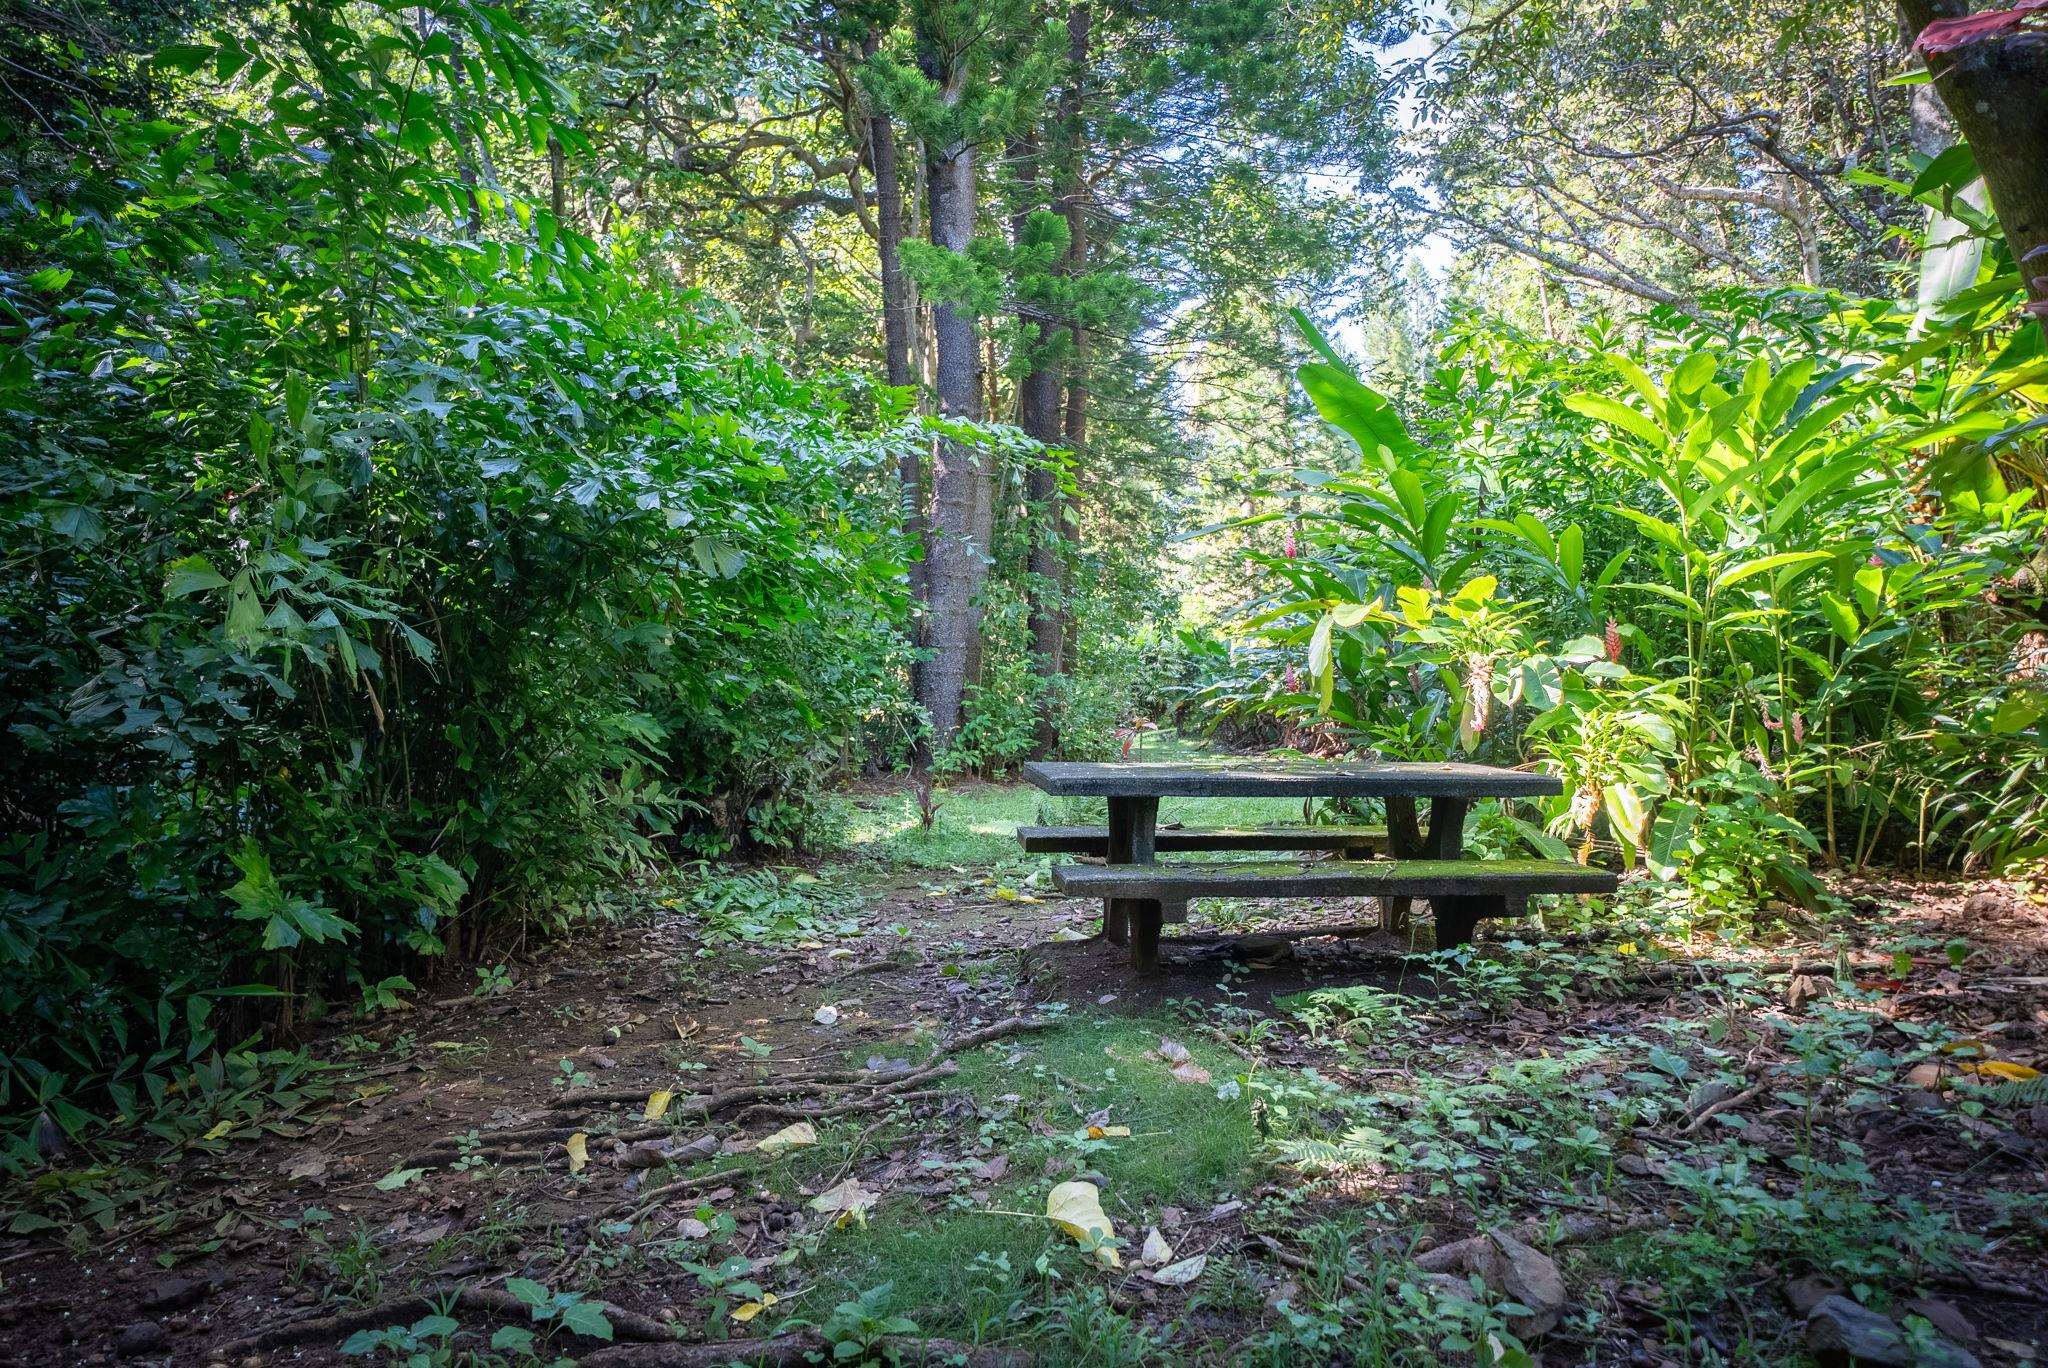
[889, 247]
[896, 330]
[1997, 92]
[1038, 414]
[960, 504]
[1074, 424]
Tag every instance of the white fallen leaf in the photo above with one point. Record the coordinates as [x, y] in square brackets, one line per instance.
[1076, 1207]
[690, 1228]
[1190, 1072]
[847, 1202]
[1068, 933]
[579, 1153]
[1156, 1250]
[828, 1015]
[657, 1103]
[1182, 1273]
[788, 1138]
[1172, 1051]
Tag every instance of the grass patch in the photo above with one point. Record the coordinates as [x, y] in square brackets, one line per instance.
[968, 1269]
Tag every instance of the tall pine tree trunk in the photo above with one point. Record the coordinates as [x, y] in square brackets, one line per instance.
[897, 315]
[1073, 204]
[1038, 414]
[961, 507]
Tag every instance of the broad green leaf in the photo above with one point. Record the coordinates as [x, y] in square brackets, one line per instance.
[1735, 574]
[192, 575]
[1615, 414]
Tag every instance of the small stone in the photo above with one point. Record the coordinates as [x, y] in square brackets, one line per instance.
[175, 1294]
[1838, 1331]
[142, 1337]
[1985, 902]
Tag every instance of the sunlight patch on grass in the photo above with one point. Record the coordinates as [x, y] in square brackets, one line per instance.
[962, 1270]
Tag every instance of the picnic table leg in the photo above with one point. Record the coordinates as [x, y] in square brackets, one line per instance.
[1455, 917]
[1404, 842]
[1145, 920]
[1133, 836]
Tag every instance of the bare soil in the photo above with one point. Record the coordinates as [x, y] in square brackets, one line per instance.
[205, 1266]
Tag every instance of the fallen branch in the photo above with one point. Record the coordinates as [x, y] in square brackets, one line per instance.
[1001, 1030]
[626, 1325]
[876, 1102]
[711, 1102]
[801, 1348]
[644, 1202]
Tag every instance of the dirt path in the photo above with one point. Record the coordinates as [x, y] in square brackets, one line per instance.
[951, 1054]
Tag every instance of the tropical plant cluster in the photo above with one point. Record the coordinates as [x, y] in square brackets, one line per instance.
[1758, 582]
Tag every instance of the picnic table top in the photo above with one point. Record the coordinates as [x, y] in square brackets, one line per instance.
[1235, 778]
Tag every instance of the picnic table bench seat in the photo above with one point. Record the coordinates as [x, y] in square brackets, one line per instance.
[1094, 840]
[1460, 892]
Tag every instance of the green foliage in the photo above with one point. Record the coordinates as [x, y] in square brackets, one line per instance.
[394, 565]
[1767, 538]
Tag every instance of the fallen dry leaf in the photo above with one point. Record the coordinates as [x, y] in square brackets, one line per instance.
[1108, 1132]
[1156, 1250]
[746, 1311]
[1076, 1207]
[847, 1202]
[579, 1153]
[788, 1138]
[1182, 1273]
[657, 1104]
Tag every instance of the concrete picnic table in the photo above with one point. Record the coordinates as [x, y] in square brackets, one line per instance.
[1134, 790]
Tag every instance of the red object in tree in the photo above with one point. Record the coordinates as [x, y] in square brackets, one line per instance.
[1946, 35]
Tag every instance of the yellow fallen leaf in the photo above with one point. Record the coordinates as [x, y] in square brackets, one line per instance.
[218, 1131]
[1076, 1207]
[1108, 1132]
[657, 1104]
[579, 1153]
[746, 1311]
[2006, 1069]
[789, 1137]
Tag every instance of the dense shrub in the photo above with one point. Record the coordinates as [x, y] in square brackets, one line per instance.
[388, 568]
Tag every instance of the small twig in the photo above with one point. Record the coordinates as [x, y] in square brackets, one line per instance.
[1714, 1109]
